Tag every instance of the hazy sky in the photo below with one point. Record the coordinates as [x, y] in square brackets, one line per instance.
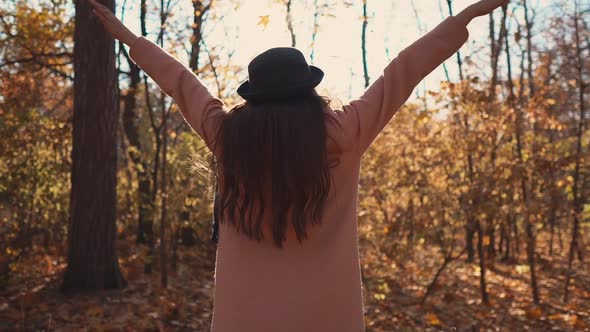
[392, 26]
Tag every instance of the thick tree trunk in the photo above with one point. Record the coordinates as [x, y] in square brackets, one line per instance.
[92, 257]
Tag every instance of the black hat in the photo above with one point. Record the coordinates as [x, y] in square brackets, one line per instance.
[279, 73]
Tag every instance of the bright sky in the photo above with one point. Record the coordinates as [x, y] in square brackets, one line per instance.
[392, 26]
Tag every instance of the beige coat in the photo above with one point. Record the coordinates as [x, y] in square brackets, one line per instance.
[315, 286]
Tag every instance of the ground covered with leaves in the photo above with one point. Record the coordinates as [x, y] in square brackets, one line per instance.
[393, 295]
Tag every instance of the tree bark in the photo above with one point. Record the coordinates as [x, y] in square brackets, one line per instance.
[92, 256]
[163, 220]
[576, 190]
[145, 208]
[289, 19]
[459, 59]
[200, 9]
[482, 264]
[315, 30]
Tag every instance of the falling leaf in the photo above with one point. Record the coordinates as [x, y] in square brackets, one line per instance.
[264, 20]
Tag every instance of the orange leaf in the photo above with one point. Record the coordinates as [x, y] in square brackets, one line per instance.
[432, 319]
[534, 313]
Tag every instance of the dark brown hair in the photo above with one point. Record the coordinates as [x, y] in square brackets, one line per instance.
[272, 154]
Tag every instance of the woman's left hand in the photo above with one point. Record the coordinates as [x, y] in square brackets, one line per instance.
[480, 8]
[484, 7]
[112, 23]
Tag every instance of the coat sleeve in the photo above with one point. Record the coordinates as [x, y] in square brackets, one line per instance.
[200, 109]
[364, 118]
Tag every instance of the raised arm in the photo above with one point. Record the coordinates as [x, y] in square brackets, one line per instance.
[200, 109]
[365, 117]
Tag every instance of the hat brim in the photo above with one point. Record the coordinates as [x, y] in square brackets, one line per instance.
[247, 92]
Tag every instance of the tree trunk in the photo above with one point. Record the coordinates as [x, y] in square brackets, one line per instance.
[531, 240]
[92, 257]
[552, 222]
[470, 226]
[163, 220]
[196, 39]
[315, 30]
[515, 232]
[506, 231]
[469, 232]
[482, 264]
[199, 10]
[364, 44]
[576, 190]
[141, 167]
[491, 236]
[289, 18]
[459, 59]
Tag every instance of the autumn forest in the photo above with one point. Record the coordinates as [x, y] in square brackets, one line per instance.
[473, 210]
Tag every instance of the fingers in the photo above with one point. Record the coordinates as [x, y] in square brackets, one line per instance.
[99, 8]
[100, 16]
[101, 12]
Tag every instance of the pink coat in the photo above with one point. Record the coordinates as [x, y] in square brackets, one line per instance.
[315, 286]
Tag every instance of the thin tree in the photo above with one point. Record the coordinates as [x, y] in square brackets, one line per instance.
[199, 12]
[459, 59]
[364, 44]
[130, 115]
[289, 19]
[577, 189]
[316, 28]
[524, 180]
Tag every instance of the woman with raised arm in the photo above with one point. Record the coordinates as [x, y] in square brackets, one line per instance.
[288, 170]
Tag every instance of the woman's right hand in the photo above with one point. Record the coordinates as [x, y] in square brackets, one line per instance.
[112, 23]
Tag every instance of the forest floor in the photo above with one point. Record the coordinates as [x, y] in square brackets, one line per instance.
[32, 301]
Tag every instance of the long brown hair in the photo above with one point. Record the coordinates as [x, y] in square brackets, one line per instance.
[273, 154]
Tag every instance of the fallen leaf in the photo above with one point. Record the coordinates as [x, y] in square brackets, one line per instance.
[95, 311]
[432, 319]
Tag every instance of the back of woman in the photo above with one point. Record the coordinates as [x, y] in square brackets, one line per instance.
[288, 172]
[312, 281]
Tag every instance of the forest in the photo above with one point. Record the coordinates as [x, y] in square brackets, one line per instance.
[473, 210]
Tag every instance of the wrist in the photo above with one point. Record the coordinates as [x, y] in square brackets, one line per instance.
[466, 15]
[128, 38]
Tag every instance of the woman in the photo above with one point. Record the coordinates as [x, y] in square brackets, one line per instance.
[288, 169]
